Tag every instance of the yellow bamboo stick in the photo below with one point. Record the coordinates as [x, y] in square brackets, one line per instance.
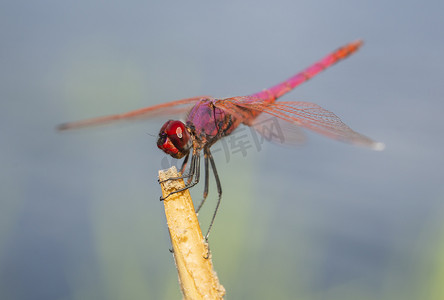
[196, 276]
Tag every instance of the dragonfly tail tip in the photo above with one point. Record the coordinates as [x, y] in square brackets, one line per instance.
[358, 43]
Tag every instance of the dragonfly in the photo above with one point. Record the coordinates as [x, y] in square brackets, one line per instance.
[210, 119]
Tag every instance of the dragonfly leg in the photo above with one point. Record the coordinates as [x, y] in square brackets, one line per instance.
[194, 169]
[194, 173]
[184, 163]
[190, 173]
[219, 191]
[207, 177]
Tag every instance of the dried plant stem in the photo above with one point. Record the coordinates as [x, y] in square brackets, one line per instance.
[196, 276]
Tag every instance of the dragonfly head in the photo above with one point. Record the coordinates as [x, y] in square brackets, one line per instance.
[174, 139]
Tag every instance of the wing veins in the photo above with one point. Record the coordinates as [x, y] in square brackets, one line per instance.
[169, 108]
[307, 115]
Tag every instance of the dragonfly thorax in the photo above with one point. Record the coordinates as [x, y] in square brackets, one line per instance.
[174, 139]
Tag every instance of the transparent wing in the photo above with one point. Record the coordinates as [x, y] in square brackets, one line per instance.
[271, 128]
[276, 130]
[304, 114]
[161, 110]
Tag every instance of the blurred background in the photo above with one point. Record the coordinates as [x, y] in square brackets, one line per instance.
[80, 216]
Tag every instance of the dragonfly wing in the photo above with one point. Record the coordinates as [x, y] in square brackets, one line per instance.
[276, 130]
[160, 110]
[306, 115]
[271, 128]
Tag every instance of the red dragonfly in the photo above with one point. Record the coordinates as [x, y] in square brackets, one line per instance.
[209, 119]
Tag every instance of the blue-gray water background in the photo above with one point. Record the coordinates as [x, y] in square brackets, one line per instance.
[79, 212]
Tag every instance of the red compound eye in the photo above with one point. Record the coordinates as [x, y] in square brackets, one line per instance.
[174, 139]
